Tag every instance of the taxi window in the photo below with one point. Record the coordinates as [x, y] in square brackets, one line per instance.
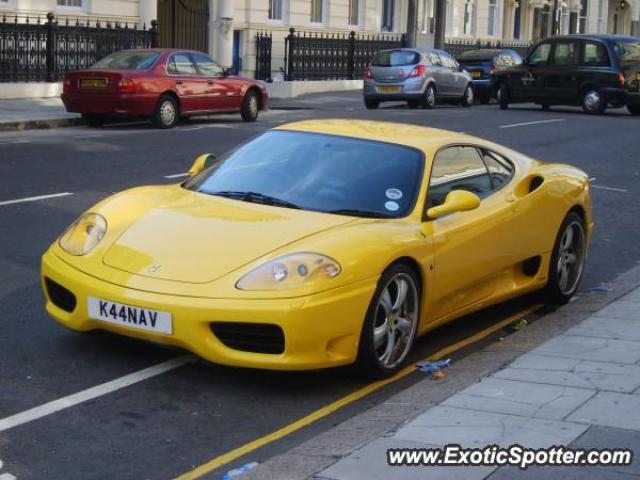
[564, 53]
[540, 55]
[594, 54]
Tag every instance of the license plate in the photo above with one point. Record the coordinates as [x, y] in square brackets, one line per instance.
[93, 82]
[476, 74]
[130, 316]
[388, 89]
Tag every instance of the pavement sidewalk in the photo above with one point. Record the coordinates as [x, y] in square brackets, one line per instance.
[580, 389]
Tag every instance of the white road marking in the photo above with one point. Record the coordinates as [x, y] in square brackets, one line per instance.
[602, 187]
[16, 141]
[93, 392]
[176, 175]
[34, 199]
[532, 123]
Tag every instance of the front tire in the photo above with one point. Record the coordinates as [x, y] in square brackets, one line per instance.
[502, 96]
[250, 107]
[467, 97]
[429, 98]
[166, 113]
[391, 323]
[567, 260]
[371, 104]
[593, 101]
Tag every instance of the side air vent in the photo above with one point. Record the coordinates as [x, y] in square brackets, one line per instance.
[535, 182]
[531, 266]
[60, 296]
[250, 337]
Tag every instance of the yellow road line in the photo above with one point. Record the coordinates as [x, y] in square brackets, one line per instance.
[346, 400]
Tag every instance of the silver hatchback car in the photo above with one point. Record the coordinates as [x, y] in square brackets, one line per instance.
[419, 77]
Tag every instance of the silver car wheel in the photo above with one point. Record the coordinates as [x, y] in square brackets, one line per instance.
[431, 96]
[253, 105]
[570, 257]
[468, 94]
[592, 100]
[396, 320]
[167, 112]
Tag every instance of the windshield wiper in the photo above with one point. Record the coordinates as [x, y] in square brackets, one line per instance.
[255, 197]
[359, 213]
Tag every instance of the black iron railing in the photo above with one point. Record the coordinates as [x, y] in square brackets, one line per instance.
[36, 50]
[329, 56]
[264, 42]
[456, 46]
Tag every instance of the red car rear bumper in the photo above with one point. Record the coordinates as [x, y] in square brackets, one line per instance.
[110, 103]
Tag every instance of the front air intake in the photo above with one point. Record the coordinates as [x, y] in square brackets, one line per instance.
[250, 337]
[60, 296]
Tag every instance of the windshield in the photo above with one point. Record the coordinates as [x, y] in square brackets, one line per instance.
[128, 60]
[318, 172]
[628, 50]
[395, 58]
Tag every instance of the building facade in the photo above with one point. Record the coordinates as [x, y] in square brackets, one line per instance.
[227, 28]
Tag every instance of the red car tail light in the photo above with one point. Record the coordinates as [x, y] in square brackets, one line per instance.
[418, 71]
[66, 85]
[621, 79]
[367, 74]
[126, 85]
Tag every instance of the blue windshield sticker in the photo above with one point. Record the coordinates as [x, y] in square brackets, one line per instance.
[391, 206]
[394, 194]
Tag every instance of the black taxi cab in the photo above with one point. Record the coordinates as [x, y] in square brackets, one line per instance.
[594, 71]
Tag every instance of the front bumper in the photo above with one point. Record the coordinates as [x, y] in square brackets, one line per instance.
[321, 330]
[110, 103]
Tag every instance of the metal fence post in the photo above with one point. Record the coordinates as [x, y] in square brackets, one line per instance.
[403, 40]
[50, 48]
[155, 34]
[289, 53]
[350, 55]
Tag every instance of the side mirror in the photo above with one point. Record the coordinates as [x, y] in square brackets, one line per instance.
[200, 163]
[456, 201]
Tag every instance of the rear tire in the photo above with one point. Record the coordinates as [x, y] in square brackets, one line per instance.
[593, 101]
[166, 113]
[94, 119]
[391, 323]
[634, 109]
[371, 104]
[467, 97]
[250, 107]
[428, 100]
[502, 96]
[567, 260]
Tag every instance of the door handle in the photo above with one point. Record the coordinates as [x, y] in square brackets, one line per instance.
[178, 82]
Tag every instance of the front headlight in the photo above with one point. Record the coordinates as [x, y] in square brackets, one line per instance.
[290, 271]
[84, 234]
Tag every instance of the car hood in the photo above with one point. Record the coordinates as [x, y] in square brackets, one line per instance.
[198, 238]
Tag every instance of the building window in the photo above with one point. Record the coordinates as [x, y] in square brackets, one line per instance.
[493, 17]
[540, 23]
[449, 23]
[427, 15]
[388, 12]
[601, 25]
[469, 18]
[578, 20]
[354, 12]
[70, 3]
[317, 14]
[275, 9]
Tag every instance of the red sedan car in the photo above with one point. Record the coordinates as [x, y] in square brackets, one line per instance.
[162, 84]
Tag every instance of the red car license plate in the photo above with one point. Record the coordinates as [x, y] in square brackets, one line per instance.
[93, 82]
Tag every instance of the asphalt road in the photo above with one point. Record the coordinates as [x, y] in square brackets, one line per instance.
[166, 425]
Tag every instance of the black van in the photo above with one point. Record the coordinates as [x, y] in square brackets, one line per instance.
[594, 71]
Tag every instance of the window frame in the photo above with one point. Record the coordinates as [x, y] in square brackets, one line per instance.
[271, 9]
[323, 12]
[480, 149]
[188, 54]
[392, 18]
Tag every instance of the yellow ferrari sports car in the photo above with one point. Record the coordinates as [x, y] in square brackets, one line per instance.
[323, 243]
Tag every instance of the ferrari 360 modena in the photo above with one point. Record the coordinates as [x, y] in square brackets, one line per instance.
[323, 243]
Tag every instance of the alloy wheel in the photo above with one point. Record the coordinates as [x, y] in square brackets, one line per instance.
[396, 319]
[592, 101]
[570, 255]
[253, 105]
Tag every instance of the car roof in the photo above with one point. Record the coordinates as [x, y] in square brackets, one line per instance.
[423, 138]
[602, 37]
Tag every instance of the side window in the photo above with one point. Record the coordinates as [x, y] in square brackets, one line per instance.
[181, 64]
[594, 54]
[540, 55]
[447, 61]
[564, 53]
[207, 66]
[457, 168]
[500, 169]
[517, 59]
[434, 59]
